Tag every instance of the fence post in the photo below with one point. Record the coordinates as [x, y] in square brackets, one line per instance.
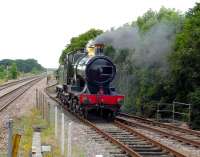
[157, 111]
[62, 134]
[56, 121]
[10, 134]
[48, 113]
[43, 104]
[189, 114]
[39, 101]
[69, 147]
[173, 112]
[36, 98]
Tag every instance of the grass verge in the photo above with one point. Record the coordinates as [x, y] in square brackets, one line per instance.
[24, 125]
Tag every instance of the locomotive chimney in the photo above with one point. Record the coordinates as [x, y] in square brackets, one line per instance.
[99, 49]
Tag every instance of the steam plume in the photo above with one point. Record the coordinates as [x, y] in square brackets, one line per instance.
[146, 48]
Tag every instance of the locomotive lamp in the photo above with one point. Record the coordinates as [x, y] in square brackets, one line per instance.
[91, 50]
[96, 49]
[99, 49]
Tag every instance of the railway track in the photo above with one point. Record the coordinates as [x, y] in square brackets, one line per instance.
[8, 98]
[127, 141]
[187, 136]
[131, 142]
[6, 85]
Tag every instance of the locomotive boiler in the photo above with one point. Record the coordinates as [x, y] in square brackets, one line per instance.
[86, 87]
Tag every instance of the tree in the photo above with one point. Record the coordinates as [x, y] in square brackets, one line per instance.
[77, 43]
[2, 72]
[25, 66]
[13, 71]
[165, 15]
[185, 62]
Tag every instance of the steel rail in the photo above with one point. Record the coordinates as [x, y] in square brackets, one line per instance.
[29, 84]
[12, 91]
[174, 136]
[9, 84]
[107, 136]
[189, 131]
[158, 144]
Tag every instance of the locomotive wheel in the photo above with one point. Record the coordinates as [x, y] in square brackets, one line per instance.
[108, 116]
[85, 114]
[77, 107]
[81, 113]
[71, 104]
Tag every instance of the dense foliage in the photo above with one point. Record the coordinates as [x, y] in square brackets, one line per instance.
[10, 69]
[185, 63]
[25, 66]
[79, 42]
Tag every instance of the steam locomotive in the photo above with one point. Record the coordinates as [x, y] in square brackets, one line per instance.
[86, 83]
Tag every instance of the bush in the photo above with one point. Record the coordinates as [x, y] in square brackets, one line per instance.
[194, 98]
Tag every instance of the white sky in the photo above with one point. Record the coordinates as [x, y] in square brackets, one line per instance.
[41, 28]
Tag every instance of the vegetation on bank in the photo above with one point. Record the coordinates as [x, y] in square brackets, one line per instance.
[161, 64]
[25, 125]
[11, 69]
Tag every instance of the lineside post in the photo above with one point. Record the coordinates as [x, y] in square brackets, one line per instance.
[39, 101]
[36, 98]
[56, 121]
[62, 137]
[189, 114]
[69, 143]
[173, 112]
[48, 113]
[10, 134]
[157, 115]
[43, 104]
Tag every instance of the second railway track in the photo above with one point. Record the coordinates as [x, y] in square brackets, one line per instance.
[11, 96]
[7, 85]
[186, 136]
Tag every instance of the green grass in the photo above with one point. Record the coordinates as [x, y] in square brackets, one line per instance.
[2, 81]
[77, 152]
[25, 126]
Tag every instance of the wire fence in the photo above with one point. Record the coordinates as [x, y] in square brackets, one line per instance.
[61, 123]
[174, 112]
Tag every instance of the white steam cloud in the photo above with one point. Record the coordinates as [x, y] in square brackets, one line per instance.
[146, 49]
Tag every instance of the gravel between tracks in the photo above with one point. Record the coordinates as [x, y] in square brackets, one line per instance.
[18, 108]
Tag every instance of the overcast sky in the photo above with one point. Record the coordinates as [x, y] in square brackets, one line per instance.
[40, 29]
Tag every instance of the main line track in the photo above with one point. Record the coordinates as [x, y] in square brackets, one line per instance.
[131, 142]
[8, 98]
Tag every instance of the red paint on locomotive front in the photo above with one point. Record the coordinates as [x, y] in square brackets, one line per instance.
[100, 99]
